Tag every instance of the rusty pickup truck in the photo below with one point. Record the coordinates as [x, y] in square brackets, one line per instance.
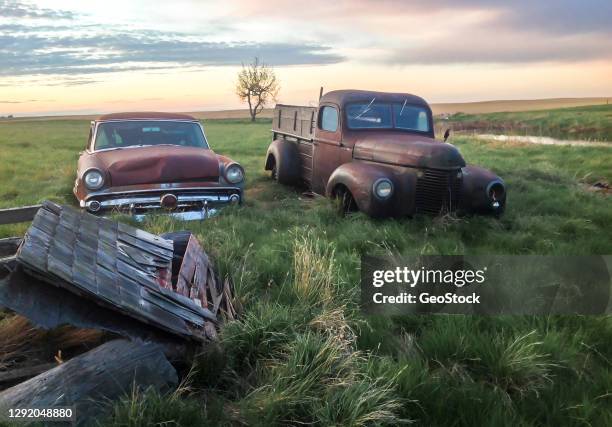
[376, 153]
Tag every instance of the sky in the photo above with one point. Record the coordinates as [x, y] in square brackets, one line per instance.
[77, 57]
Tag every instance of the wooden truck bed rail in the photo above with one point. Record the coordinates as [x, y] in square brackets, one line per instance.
[294, 121]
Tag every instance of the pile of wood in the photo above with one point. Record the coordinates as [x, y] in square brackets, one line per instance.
[159, 297]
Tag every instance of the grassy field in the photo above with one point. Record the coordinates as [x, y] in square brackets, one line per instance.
[302, 353]
[585, 123]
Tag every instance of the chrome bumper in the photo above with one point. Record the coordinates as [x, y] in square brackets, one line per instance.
[204, 200]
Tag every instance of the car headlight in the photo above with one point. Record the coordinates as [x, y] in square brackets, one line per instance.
[93, 179]
[383, 188]
[234, 174]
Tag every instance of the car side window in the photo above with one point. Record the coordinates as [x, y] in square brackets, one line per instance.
[328, 119]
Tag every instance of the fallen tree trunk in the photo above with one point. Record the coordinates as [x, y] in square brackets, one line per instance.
[89, 381]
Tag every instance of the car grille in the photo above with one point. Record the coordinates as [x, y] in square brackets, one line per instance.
[438, 191]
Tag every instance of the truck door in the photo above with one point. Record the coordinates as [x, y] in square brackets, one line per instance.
[326, 146]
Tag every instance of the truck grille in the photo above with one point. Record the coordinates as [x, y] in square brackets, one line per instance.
[437, 191]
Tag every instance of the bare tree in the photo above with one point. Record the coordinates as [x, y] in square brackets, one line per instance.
[257, 85]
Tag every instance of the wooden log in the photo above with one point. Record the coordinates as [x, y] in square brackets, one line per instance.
[89, 381]
[15, 215]
[14, 375]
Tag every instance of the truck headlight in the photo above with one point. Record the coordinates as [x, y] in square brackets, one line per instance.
[93, 179]
[383, 188]
[496, 193]
[234, 174]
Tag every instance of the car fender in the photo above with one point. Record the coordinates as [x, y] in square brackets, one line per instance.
[359, 178]
[477, 184]
[287, 159]
[86, 162]
[224, 162]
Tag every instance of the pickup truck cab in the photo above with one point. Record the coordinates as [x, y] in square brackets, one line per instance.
[377, 153]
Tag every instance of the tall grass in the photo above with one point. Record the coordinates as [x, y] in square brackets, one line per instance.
[301, 351]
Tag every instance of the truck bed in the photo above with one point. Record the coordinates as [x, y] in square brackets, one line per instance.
[294, 120]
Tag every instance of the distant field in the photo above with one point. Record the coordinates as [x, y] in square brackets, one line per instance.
[302, 353]
[580, 123]
[478, 107]
[481, 107]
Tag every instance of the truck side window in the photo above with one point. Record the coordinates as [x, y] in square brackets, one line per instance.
[329, 119]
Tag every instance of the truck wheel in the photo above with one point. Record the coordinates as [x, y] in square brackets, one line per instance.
[346, 202]
[272, 166]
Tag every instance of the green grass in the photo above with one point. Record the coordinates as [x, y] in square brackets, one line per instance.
[303, 353]
[585, 123]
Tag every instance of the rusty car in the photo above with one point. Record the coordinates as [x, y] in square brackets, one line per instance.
[376, 152]
[161, 162]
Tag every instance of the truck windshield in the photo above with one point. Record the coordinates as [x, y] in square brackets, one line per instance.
[136, 133]
[385, 115]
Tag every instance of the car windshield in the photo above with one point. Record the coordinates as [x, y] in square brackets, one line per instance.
[387, 115]
[137, 133]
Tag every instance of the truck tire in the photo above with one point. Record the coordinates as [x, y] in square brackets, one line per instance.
[283, 160]
[346, 202]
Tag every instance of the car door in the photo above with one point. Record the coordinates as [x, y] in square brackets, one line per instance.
[326, 146]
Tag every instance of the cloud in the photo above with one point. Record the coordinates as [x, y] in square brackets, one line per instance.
[24, 101]
[547, 16]
[505, 48]
[84, 50]
[17, 9]
[450, 31]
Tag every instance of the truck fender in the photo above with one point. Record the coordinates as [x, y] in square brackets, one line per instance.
[285, 156]
[359, 179]
[480, 189]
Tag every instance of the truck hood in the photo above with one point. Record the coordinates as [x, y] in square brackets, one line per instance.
[161, 164]
[403, 149]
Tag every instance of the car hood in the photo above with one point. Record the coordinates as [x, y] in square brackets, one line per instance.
[162, 164]
[407, 150]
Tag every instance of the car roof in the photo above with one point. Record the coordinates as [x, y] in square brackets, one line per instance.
[342, 97]
[146, 115]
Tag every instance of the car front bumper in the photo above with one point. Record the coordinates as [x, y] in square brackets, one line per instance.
[181, 201]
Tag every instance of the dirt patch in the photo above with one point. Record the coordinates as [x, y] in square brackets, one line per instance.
[600, 187]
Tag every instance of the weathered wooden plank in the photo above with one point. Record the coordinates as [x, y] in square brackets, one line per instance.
[293, 120]
[16, 215]
[48, 307]
[89, 381]
[8, 246]
[24, 373]
[122, 268]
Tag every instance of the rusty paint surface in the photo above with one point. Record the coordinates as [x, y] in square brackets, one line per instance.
[145, 115]
[130, 173]
[427, 176]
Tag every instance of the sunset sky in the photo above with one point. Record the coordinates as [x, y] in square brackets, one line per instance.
[65, 56]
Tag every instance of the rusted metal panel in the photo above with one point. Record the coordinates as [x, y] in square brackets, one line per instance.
[113, 264]
[15, 215]
[147, 115]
